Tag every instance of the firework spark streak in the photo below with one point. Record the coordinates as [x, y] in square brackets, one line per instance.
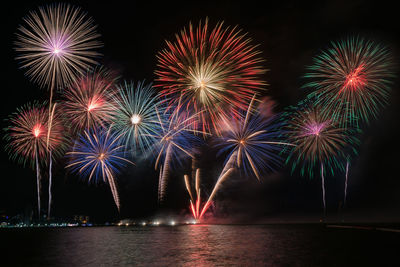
[54, 122]
[89, 100]
[210, 70]
[215, 190]
[50, 184]
[228, 168]
[197, 186]
[352, 79]
[165, 173]
[345, 183]
[194, 208]
[187, 184]
[135, 115]
[323, 188]
[27, 139]
[98, 155]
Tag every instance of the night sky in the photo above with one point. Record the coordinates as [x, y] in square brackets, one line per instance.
[289, 34]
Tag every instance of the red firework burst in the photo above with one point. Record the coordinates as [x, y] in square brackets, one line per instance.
[28, 132]
[88, 102]
[215, 71]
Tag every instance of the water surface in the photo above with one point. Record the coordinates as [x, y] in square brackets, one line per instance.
[199, 245]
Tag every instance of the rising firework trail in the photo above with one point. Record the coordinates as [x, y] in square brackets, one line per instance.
[187, 184]
[135, 116]
[195, 204]
[216, 71]
[56, 123]
[98, 155]
[323, 188]
[228, 169]
[345, 183]
[27, 140]
[319, 142]
[198, 193]
[351, 80]
[220, 180]
[194, 208]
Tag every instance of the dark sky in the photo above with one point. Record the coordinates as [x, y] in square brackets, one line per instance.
[289, 34]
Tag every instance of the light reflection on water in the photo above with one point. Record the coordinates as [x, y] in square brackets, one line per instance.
[194, 245]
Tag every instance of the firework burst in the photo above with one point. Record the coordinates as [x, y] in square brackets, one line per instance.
[27, 135]
[319, 141]
[89, 100]
[135, 115]
[254, 141]
[27, 139]
[98, 156]
[56, 44]
[317, 138]
[210, 70]
[351, 80]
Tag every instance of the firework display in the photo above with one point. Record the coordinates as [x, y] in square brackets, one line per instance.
[88, 101]
[54, 46]
[211, 70]
[135, 117]
[351, 80]
[99, 156]
[208, 96]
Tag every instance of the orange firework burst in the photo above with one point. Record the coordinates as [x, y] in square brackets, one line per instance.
[210, 70]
